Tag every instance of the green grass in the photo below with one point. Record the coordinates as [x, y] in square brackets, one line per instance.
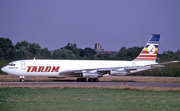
[17, 99]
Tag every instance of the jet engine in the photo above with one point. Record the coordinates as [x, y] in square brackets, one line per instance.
[119, 72]
[90, 75]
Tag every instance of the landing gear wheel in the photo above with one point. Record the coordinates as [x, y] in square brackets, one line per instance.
[90, 80]
[81, 80]
[84, 79]
[95, 79]
[78, 79]
[21, 80]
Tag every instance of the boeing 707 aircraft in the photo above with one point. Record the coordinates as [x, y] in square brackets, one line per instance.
[91, 69]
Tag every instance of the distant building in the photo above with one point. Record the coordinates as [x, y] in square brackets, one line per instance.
[98, 46]
[99, 50]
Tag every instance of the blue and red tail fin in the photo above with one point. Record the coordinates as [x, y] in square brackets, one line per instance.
[149, 52]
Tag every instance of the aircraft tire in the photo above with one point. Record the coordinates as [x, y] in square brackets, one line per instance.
[84, 79]
[95, 79]
[21, 80]
[90, 80]
[78, 79]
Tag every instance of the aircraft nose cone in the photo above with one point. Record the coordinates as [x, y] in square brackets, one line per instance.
[4, 69]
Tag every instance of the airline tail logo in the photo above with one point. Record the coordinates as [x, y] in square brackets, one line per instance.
[149, 52]
[151, 49]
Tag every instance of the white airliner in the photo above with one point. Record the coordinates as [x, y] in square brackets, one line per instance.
[91, 69]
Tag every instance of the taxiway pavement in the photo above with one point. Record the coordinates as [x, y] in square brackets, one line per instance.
[94, 83]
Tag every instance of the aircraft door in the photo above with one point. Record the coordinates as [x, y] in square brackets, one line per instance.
[23, 65]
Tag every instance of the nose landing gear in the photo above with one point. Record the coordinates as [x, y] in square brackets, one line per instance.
[21, 78]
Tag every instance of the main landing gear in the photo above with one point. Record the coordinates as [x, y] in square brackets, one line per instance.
[85, 80]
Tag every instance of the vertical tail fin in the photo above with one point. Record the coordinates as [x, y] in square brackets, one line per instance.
[149, 52]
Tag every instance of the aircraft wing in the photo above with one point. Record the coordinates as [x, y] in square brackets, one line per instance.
[100, 72]
[117, 71]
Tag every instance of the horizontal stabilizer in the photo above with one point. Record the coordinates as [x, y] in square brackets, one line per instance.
[169, 62]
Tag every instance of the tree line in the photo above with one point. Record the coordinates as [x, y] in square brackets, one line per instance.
[25, 50]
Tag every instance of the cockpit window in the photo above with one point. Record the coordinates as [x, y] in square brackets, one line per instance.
[11, 64]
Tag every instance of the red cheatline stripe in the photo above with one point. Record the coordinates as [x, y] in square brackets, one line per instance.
[147, 55]
[145, 59]
[146, 52]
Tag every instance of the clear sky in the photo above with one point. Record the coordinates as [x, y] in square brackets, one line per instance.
[113, 23]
